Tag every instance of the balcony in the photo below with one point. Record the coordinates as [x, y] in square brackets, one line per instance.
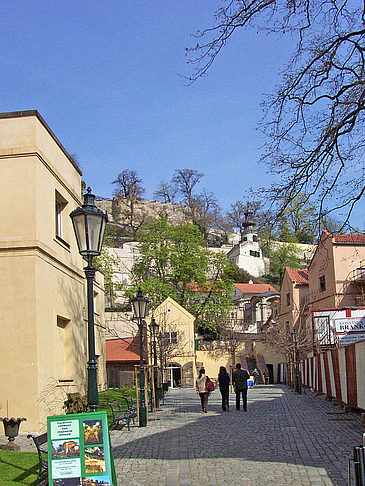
[358, 275]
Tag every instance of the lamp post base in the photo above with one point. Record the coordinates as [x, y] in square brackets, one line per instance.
[142, 416]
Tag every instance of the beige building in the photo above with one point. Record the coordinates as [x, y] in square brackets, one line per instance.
[335, 280]
[185, 354]
[43, 320]
[294, 294]
[336, 274]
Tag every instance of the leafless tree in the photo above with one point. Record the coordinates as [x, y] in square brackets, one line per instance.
[315, 120]
[185, 181]
[167, 192]
[129, 191]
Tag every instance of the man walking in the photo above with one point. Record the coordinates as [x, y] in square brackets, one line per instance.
[239, 380]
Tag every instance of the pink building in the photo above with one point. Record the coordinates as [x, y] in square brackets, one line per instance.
[293, 299]
[336, 274]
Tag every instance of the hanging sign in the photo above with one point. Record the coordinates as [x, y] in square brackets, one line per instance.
[79, 450]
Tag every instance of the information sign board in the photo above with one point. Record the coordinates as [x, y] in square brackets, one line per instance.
[79, 450]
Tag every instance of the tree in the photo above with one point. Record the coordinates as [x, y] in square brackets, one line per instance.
[175, 263]
[129, 191]
[129, 185]
[108, 264]
[242, 212]
[314, 122]
[185, 181]
[166, 192]
[204, 209]
[281, 255]
[297, 221]
[200, 209]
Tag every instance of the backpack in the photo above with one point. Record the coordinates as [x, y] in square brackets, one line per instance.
[209, 385]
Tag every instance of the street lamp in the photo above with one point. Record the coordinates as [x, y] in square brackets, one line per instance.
[89, 225]
[296, 362]
[140, 311]
[155, 327]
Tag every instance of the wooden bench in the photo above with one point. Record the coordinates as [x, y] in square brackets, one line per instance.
[40, 441]
[120, 413]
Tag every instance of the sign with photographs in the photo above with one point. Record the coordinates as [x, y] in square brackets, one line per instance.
[79, 450]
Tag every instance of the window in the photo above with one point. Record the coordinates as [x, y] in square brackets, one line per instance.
[60, 205]
[288, 299]
[254, 253]
[170, 337]
[326, 334]
[63, 353]
[322, 283]
[254, 237]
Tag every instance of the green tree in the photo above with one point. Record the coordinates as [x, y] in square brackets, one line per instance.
[281, 255]
[297, 221]
[174, 262]
[108, 264]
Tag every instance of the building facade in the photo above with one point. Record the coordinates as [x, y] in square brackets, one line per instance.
[43, 319]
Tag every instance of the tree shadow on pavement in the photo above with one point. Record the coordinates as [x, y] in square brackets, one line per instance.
[279, 427]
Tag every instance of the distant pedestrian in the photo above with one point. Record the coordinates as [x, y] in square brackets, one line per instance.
[239, 380]
[224, 380]
[255, 375]
[266, 376]
[201, 389]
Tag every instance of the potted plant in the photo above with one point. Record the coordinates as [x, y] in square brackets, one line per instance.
[11, 429]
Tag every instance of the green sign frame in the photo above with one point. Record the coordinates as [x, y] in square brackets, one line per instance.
[79, 450]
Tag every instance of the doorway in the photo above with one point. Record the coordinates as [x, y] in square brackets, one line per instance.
[174, 376]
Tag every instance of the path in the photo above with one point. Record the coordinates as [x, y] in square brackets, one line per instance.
[283, 439]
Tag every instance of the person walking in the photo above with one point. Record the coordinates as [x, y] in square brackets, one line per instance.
[255, 375]
[239, 380]
[201, 389]
[223, 381]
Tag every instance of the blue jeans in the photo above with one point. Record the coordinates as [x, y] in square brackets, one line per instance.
[244, 398]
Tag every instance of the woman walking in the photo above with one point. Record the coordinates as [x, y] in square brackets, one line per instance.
[224, 380]
[201, 389]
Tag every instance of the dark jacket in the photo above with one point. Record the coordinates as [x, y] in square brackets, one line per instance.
[239, 379]
[224, 380]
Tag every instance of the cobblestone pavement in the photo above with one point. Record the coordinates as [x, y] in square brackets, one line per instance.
[283, 439]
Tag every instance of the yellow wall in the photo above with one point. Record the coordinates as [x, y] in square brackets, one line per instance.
[172, 317]
[42, 286]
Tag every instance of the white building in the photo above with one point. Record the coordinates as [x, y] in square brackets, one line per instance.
[247, 255]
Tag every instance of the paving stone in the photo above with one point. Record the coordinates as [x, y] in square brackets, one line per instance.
[283, 439]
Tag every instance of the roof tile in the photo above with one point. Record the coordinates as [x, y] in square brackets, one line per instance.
[360, 238]
[122, 349]
[248, 288]
[297, 276]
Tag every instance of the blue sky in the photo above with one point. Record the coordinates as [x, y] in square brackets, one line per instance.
[105, 76]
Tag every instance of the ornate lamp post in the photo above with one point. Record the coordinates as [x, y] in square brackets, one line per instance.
[296, 363]
[89, 225]
[140, 311]
[155, 327]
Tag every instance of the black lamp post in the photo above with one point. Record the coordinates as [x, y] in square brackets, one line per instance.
[140, 311]
[296, 363]
[89, 225]
[155, 327]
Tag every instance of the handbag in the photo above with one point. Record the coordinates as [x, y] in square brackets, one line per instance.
[209, 385]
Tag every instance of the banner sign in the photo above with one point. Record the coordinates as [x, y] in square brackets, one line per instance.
[79, 450]
[350, 329]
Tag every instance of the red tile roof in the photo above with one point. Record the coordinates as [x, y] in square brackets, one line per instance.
[122, 350]
[195, 287]
[248, 288]
[297, 276]
[350, 238]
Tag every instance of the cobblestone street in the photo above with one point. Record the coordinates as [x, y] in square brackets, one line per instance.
[283, 439]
